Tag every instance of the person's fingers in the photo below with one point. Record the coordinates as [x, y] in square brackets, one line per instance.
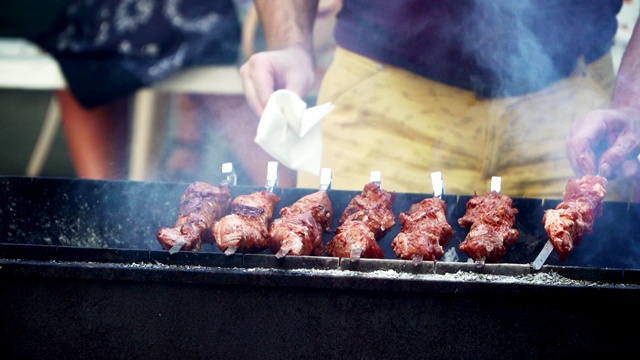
[616, 155]
[249, 89]
[266, 72]
[584, 134]
[265, 82]
[625, 144]
[250, 95]
[581, 158]
[258, 82]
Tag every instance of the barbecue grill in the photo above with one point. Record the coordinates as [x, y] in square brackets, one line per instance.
[83, 276]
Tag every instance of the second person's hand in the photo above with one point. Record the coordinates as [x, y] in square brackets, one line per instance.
[608, 139]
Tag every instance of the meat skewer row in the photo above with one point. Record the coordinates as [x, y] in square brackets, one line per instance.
[490, 219]
[299, 229]
[247, 227]
[365, 220]
[425, 232]
[201, 205]
[575, 216]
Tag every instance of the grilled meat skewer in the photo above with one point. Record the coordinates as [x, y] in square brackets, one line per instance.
[365, 220]
[247, 227]
[298, 231]
[201, 205]
[575, 215]
[490, 219]
[425, 232]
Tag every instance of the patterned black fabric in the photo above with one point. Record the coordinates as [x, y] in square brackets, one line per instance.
[108, 49]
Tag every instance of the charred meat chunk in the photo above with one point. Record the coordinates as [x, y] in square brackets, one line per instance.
[575, 216]
[247, 227]
[424, 231]
[490, 219]
[299, 229]
[365, 220]
[201, 205]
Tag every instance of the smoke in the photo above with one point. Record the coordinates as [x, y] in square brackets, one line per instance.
[510, 50]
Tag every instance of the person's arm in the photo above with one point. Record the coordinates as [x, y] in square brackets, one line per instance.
[607, 141]
[289, 61]
[287, 23]
[627, 88]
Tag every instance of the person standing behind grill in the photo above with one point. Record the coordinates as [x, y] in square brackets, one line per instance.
[107, 50]
[471, 88]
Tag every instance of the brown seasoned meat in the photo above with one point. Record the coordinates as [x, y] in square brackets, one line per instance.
[246, 229]
[490, 219]
[297, 234]
[365, 220]
[424, 231]
[374, 207]
[201, 205]
[298, 231]
[354, 236]
[575, 215]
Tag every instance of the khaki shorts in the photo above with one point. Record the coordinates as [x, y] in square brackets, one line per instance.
[406, 126]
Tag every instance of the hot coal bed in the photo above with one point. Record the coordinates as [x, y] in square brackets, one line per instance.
[83, 276]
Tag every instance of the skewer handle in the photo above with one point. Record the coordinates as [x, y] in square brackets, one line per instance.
[496, 184]
[375, 177]
[437, 184]
[282, 253]
[272, 175]
[231, 250]
[230, 176]
[355, 254]
[177, 247]
[325, 179]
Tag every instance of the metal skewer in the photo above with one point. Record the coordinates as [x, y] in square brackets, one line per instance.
[543, 256]
[325, 179]
[177, 247]
[230, 177]
[272, 175]
[282, 253]
[496, 185]
[355, 254]
[417, 259]
[374, 177]
[437, 184]
[325, 184]
[272, 181]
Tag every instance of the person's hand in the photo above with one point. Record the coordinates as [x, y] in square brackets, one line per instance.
[608, 139]
[265, 72]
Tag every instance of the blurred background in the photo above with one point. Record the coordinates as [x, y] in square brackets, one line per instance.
[22, 113]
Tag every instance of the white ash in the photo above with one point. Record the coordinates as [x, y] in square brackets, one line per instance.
[450, 255]
[541, 278]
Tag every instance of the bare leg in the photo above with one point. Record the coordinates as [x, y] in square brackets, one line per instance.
[97, 138]
[183, 163]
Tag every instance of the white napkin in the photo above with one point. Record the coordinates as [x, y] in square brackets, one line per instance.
[291, 132]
